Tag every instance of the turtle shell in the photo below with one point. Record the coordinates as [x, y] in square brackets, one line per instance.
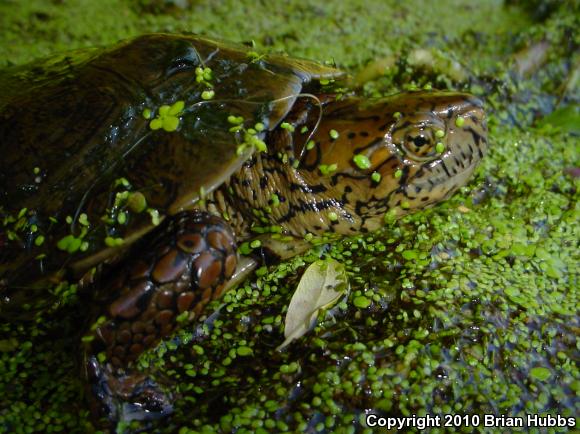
[82, 133]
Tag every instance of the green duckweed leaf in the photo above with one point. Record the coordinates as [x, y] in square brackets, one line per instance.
[362, 161]
[155, 124]
[164, 110]
[170, 123]
[540, 373]
[320, 287]
[176, 108]
[137, 202]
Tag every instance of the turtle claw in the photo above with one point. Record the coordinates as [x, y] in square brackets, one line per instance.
[123, 397]
[147, 402]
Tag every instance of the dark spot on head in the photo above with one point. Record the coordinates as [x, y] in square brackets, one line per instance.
[363, 134]
[351, 135]
[449, 113]
[424, 198]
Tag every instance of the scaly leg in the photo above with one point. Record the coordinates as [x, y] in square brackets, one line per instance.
[179, 268]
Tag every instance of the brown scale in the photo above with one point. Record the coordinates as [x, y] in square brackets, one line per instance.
[182, 266]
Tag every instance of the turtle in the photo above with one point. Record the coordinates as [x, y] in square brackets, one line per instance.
[148, 173]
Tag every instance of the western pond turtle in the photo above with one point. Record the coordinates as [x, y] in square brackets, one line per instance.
[138, 173]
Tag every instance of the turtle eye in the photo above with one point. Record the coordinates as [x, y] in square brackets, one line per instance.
[419, 143]
[417, 135]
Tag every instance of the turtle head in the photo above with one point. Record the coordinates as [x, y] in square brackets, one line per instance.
[401, 153]
[433, 144]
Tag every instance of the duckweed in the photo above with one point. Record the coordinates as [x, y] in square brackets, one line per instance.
[540, 373]
[207, 94]
[286, 126]
[137, 202]
[275, 199]
[327, 169]
[361, 161]
[69, 243]
[362, 302]
[235, 120]
[113, 241]
[501, 277]
[168, 117]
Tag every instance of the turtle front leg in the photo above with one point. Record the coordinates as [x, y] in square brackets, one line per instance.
[177, 269]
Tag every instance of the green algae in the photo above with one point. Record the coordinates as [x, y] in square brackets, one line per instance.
[470, 307]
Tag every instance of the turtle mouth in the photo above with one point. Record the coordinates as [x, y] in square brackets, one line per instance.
[434, 186]
[430, 178]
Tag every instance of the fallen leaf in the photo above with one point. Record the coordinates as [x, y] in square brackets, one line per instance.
[320, 287]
